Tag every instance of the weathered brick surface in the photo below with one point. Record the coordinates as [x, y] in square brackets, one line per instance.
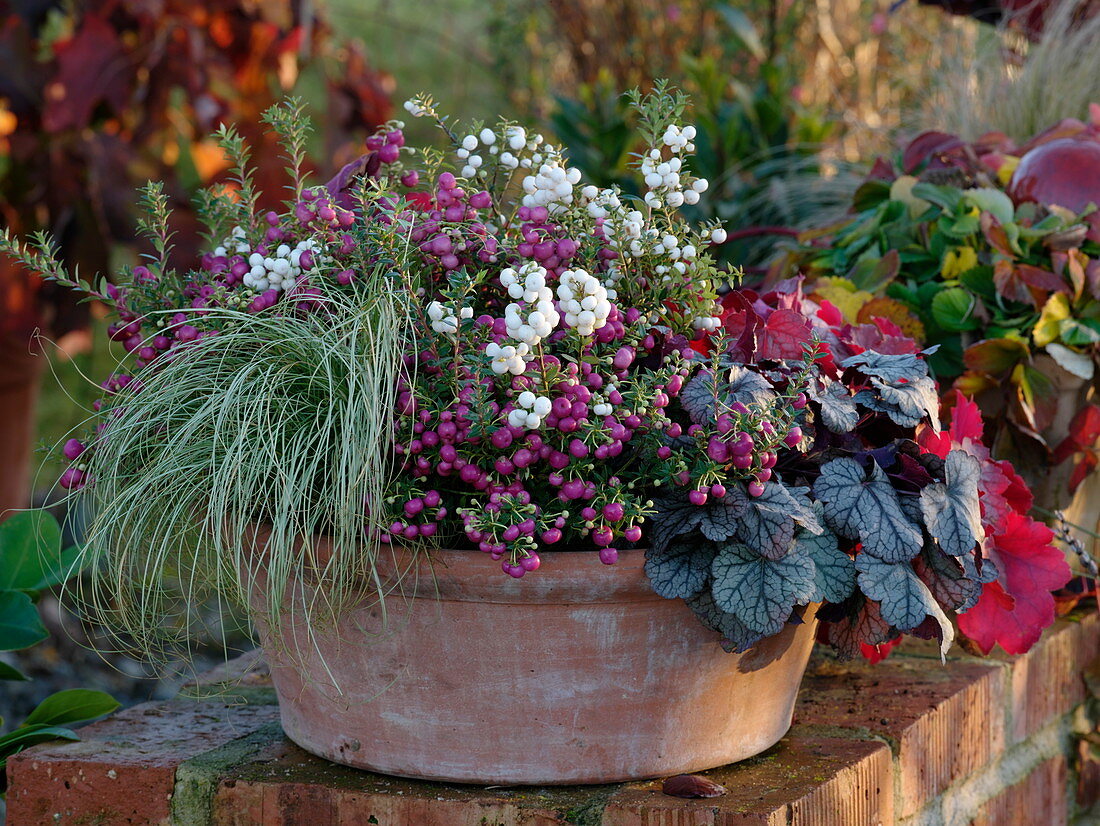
[123, 769]
[1047, 682]
[904, 741]
[806, 780]
[943, 722]
[1038, 800]
[284, 786]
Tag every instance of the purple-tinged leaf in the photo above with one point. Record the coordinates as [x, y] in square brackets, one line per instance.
[903, 598]
[736, 637]
[692, 786]
[682, 570]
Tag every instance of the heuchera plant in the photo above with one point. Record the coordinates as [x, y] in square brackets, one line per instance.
[563, 376]
[992, 252]
[892, 522]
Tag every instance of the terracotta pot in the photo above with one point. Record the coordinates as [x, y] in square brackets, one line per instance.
[578, 673]
[22, 364]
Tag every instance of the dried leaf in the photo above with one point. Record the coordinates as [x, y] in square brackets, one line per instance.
[692, 786]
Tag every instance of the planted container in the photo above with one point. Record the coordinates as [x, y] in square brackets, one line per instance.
[579, 675]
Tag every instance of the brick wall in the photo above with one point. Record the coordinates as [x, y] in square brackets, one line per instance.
[1004, 741]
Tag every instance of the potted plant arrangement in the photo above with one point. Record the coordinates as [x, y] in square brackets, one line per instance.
[511, 495]
[989, 250]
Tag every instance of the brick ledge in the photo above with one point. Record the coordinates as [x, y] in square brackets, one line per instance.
[982, 742]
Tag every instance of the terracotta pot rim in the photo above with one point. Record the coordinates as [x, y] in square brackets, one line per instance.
[565, 577]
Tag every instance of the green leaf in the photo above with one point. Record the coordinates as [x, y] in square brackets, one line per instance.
[8, 672]
[741, 26]
[20, 625]
[866, 508]
[15, 741]
[870, 194]
[951, 509]
[681, 571]
[993, 201]
[946, 197]
[74, 705]
[953, 309]
[30, 550]
[760, 592]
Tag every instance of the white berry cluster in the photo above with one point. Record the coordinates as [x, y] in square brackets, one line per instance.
[601, 202]
[664, 184]
[679, 139]
[707, 323]
[443, 318]
[279, 270]
[531, 411]
[584, 300]
[237, 241]
[508, 359]
[528, 285]
[551, 186]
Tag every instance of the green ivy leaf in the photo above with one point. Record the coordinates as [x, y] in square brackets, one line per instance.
[858, 506]
[682, 570]
[950, 508]
[761, 592]
[20, 625]
[74, 705]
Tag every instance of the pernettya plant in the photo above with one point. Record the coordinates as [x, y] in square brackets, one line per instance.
[511, 361]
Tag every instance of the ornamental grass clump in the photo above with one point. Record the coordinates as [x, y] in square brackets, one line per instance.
[475, 350]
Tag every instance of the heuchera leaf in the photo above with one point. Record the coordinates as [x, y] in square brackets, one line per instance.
[861, 625]
[834, 570]
[766, 523]
[747, 387]
[697, 397]
[735, 635]
[946, 579]
[950, 508]
[894, 369]
[760, 592]
[675, 516]
[1014, 610]
[682, 570]
[867, 509]
[915, 400]
[904, 599]
[838, 408]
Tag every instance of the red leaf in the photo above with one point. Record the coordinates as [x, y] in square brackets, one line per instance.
[1084, 431]
[1014, 610]
[1038, 277]
[928, 146]
[1085, 466]
[783, 336]
[830, 313]
[995, 355]
[93, 68]
[877, 653]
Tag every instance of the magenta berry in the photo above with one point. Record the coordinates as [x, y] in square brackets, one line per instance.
[609, 556]
[697, 496]
[756, 489]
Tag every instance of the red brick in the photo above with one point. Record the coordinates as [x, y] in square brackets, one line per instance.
[122, 771]
[805, 780]
[1037, 800]
[944, 722]
[284, 786]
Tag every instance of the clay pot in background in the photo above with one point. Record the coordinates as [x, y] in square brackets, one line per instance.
[577, 673]
[21, 366]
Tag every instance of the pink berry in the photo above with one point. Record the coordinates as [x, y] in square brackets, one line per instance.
[697, 497]
[632, 534]
[609, 556]
[756, 489]
[613, 511]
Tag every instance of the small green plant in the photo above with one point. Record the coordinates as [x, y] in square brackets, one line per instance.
[32, 561]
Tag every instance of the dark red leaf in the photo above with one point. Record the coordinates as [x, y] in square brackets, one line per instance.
[928, 146]
[93, 68]
[692, 785]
